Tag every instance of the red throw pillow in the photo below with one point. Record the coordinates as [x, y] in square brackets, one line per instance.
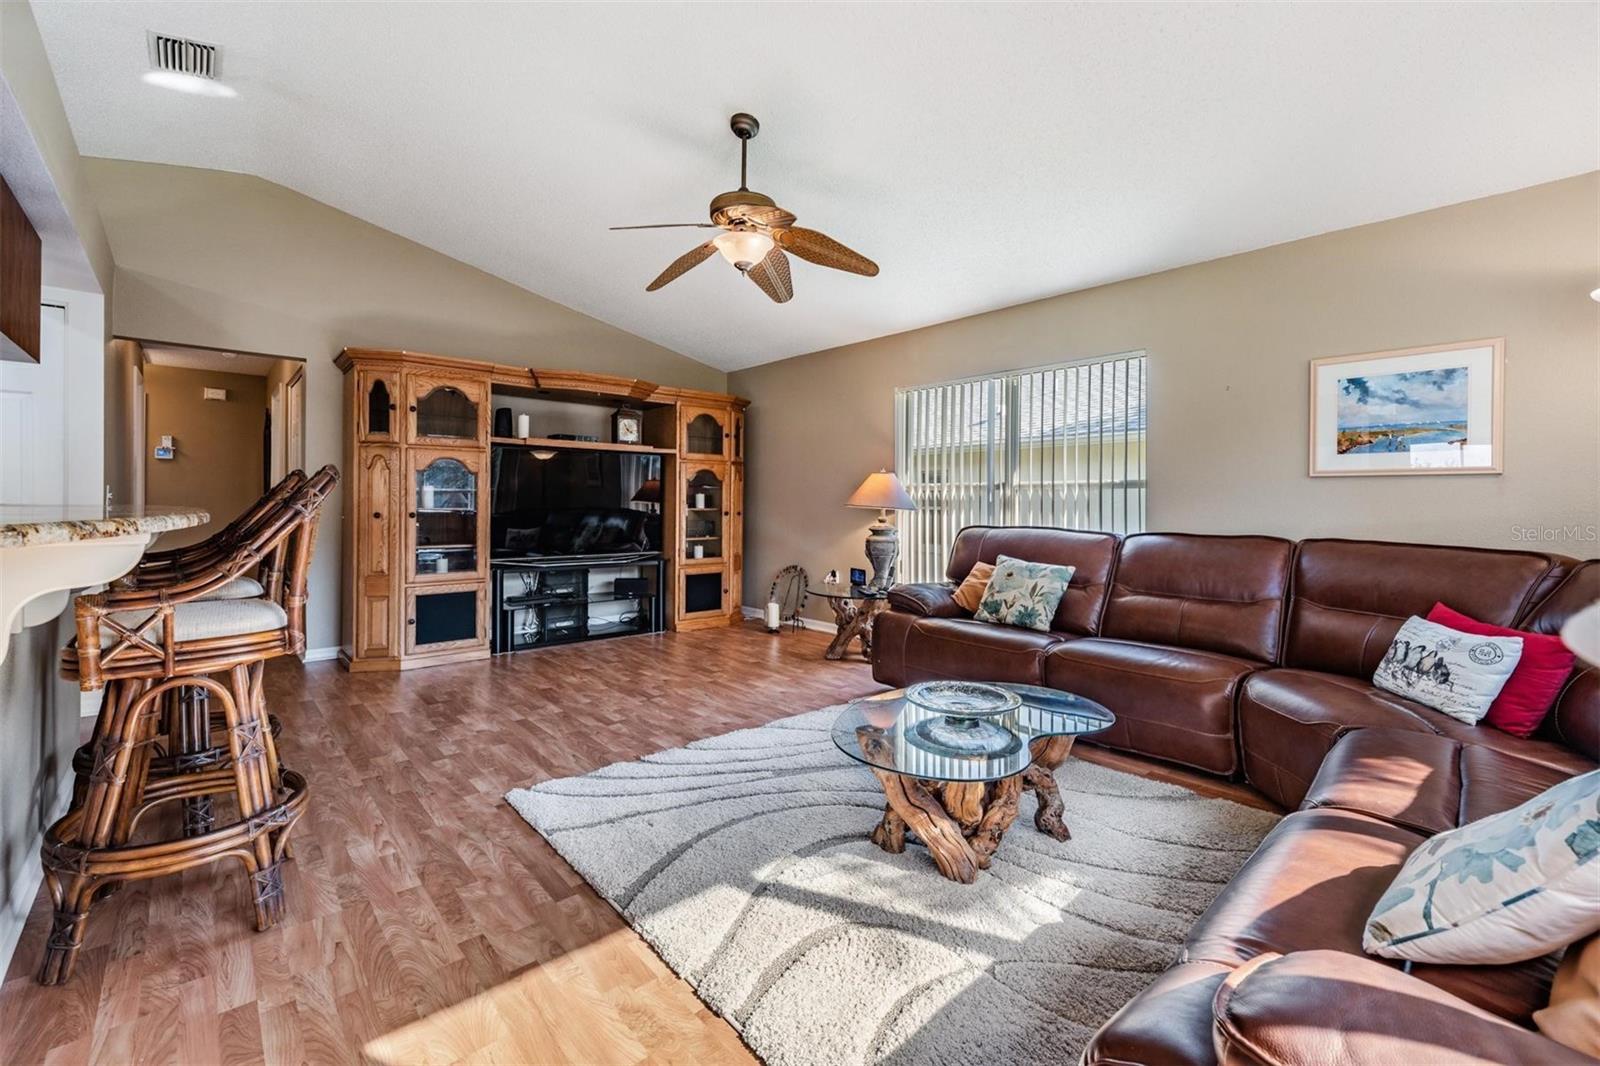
[1532, 687]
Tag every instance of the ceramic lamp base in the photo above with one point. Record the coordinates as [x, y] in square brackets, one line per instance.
[883, 548]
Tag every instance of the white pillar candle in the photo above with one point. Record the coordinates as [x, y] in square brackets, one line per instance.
[524, 429]
[699, 551]
[774, 616]
[700, 500]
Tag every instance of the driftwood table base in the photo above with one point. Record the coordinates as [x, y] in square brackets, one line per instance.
[1048, 755]
[960, 822]
[854, 621]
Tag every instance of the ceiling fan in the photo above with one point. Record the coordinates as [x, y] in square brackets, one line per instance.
[755, 234]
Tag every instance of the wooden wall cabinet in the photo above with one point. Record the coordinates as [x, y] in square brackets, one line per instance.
[417, 574]
[709, 588]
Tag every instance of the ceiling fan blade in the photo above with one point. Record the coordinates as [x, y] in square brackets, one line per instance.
[681, 265]
[772, 275]
[823, 250]
[671, 225]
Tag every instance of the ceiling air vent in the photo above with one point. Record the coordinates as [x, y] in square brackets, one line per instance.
[182, 56]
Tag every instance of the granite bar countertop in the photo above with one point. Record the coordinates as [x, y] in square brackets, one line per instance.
[26, 525]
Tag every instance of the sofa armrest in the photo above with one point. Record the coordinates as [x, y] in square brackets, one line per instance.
[929, 600]
[1314, 1007]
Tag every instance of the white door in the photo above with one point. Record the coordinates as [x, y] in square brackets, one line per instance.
[33, 426]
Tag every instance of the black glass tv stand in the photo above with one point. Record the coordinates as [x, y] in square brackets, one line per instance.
[542, 600]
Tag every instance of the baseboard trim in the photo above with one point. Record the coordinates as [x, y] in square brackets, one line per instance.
[320, 655]
[805, 623]
[27, 887]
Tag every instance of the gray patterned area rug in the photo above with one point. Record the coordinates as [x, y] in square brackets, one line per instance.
[744, 860]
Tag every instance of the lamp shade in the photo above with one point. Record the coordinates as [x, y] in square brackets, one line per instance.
[649, 492]
[882, 492]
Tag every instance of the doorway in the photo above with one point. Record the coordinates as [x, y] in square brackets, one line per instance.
[215, 429]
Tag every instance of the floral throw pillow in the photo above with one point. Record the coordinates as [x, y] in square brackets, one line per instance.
[1509, 887]
[1451, 671]
[1021, 593]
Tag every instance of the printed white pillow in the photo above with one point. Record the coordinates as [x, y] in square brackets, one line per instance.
[1509, 887]
[1443, 668]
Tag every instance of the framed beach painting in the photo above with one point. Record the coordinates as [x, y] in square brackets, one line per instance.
[1435, 410]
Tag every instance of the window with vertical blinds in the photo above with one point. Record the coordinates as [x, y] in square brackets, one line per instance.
[1055, 446]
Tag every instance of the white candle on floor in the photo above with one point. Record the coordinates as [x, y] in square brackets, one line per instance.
[774, 616]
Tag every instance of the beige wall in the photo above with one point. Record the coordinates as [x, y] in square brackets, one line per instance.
[1229, 343]
[229, 261]
[218, 452]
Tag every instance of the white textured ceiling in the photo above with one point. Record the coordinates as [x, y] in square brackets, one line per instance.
[983, 154]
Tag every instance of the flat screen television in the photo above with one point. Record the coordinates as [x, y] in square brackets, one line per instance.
[574, 503]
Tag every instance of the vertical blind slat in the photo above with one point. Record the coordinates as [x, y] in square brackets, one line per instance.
[1055, 446]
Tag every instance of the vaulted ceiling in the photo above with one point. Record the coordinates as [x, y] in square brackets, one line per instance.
[983, 154]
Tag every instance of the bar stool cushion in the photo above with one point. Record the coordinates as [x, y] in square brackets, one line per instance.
[240, 588]
[205, 619]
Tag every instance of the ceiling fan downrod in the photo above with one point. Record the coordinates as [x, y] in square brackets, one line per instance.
[744, 127]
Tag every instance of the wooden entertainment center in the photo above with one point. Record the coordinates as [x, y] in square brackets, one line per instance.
[417, 510]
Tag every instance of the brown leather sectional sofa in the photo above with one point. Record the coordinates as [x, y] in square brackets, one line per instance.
[1248, 655]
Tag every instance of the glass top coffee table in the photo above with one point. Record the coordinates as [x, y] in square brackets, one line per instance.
[955, 780]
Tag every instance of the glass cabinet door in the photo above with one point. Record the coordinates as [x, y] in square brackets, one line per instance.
[377, 405]
[444, 411]
[705, 516]
[705, 431]
[444, 515]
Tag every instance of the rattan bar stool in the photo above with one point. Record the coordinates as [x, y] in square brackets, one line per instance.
[145, 645]
[189, 724]
[168, 567]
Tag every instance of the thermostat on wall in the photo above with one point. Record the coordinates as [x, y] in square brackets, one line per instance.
[165, 451]
[215, 394]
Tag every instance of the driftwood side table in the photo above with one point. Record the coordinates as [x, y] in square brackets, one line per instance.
[854, 608]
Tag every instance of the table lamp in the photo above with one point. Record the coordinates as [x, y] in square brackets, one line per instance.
[882, 491]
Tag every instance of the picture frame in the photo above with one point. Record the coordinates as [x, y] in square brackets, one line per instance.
[1438, 409]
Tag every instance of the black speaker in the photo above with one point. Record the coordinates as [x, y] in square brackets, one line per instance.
[502, 422]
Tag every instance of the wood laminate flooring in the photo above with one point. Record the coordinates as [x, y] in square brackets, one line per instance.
[426, 921]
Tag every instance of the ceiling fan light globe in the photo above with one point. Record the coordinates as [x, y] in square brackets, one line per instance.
[743, 248]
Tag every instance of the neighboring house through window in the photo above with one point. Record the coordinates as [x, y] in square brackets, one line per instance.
[1060, 446]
